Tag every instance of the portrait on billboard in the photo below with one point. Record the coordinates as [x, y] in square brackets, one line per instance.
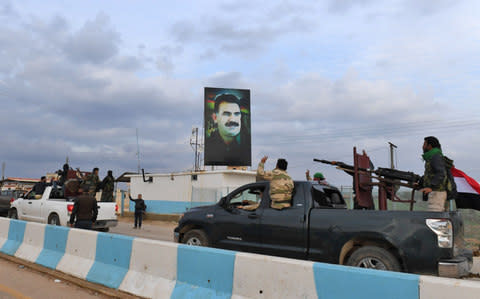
[227, 127]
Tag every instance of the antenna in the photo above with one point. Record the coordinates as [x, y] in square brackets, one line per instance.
[138, 153]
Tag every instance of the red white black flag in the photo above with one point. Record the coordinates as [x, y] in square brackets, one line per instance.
[468, 190]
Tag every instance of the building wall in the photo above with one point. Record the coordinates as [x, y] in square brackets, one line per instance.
[177, 192]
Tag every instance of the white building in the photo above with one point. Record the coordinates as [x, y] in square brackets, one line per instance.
[174, 193]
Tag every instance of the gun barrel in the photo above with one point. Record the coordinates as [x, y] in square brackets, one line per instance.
[323, 161]
[398, 174]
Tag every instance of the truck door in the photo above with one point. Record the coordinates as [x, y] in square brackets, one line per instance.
[30, 205]
[237, 219]
[283, 232]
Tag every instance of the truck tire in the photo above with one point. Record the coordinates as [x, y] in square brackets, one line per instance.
[13, 214]
[53, 219]
[374, 258]
[195, 237]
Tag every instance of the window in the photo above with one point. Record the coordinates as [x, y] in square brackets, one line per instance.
[30, 195]
[248, 198]
[324, 197]
[56, 193]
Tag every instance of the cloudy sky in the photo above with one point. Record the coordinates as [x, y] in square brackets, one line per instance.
[77, 79]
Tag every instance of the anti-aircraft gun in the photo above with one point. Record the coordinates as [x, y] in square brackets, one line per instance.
[387, 180]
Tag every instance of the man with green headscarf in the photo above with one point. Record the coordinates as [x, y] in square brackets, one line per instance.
[434, 180]
[317, 177]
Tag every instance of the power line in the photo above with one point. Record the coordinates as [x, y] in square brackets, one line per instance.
[373, 131]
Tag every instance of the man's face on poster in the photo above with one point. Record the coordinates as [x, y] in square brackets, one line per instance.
[228, 119]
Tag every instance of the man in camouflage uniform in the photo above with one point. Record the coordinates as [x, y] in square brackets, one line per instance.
[108, 185]
[91, 182]
[281, 185]
[434, 181]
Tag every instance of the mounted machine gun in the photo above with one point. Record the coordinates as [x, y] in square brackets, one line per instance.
[386, 179]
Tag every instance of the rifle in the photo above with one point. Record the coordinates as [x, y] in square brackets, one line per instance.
[394, 174]
[342, 165]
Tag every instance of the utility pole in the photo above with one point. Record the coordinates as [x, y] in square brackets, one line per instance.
[194, 145]
[392, 147]
[197, 146]
[3, 171]
[138, 153]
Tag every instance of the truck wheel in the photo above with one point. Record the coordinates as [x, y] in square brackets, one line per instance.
[53, 219]
[195, 237]
[13, 214]
[374, 258]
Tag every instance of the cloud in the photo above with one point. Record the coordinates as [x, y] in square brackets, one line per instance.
[343, 6]
[321, 82]
[95, 42]
[7, 10]
[238, 30]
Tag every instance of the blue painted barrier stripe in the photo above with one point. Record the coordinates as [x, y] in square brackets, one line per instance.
[112, 260]
[169, 207]
[334, 281]
[54, 245]
[204, 273]
[16, 232]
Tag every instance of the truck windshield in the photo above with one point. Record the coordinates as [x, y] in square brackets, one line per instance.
[56, 193]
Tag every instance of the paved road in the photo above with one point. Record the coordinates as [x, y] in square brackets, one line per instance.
[156, 230]
[18, 282]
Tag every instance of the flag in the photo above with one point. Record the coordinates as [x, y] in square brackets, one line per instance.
[468, 190]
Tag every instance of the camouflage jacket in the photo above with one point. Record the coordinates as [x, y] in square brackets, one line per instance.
[108, 185]
[92, 182]
[435, 176]
[281, 186]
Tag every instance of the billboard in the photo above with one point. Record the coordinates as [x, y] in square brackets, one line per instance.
[227, 127]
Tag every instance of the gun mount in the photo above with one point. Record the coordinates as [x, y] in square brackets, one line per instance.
[365, 178]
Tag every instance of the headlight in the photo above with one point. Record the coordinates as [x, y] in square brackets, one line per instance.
[443, 229]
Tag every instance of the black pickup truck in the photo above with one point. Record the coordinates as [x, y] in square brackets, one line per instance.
[319, 227]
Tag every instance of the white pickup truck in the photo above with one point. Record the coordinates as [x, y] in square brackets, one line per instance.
[52, 208]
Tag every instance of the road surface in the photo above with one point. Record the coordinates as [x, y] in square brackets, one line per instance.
[151, 229]
[19, 282]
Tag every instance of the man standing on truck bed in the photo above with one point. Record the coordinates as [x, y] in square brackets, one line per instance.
[84, 210]
[434, 181]
[108, 185]
[92, 182]
[281, 184]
